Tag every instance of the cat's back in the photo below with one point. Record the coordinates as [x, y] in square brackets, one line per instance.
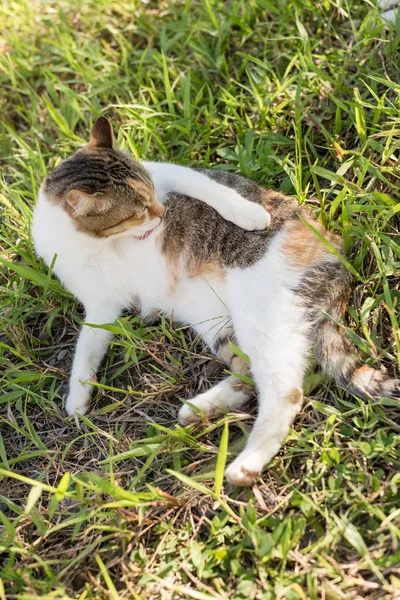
[198, 232]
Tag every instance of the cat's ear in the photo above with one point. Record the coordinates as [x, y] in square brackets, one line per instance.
[101, 135]
[83, 203]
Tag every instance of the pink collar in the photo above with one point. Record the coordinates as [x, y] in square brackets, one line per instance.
[145, 235]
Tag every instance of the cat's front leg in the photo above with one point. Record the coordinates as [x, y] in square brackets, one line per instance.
[243, 213]
[90, 350]
[193, 184]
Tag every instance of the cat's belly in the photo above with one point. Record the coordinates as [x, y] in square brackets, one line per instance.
[201, 303]
[126, 274]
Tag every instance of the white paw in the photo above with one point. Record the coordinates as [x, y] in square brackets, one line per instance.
[242, 471]
[210, 403]
[78, 401]
[250, 463]
[247, 215]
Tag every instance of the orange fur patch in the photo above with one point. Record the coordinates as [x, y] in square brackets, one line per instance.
[295, 396]
[156, 209]
[303, 248]
[270, 199]
[173, 273]
[363, 370]
[207, 269]
[368, 380]
[141, 188]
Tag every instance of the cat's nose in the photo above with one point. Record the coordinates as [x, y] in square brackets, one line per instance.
[157, 209]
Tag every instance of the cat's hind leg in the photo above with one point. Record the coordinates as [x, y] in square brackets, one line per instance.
[227, 395]
[271, 326]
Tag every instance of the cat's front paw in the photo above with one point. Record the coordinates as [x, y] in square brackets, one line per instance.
[242, 471]
[209, 403]
[247, 215]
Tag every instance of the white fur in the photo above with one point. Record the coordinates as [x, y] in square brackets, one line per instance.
[390, 16]
[110, 274]
[272, 329]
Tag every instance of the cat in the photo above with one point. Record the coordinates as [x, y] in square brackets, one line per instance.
[275, 292]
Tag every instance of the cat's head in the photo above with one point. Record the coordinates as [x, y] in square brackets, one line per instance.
[105, 191]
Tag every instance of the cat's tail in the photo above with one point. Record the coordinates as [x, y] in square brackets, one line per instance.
[335, 353]
[339, 359]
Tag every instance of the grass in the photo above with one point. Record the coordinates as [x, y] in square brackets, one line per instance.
[302, 97]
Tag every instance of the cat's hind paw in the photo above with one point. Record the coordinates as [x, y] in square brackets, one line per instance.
[77, 403]
[242, 472]
[249, 465]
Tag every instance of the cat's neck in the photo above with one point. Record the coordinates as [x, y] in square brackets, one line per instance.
[55, 223]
